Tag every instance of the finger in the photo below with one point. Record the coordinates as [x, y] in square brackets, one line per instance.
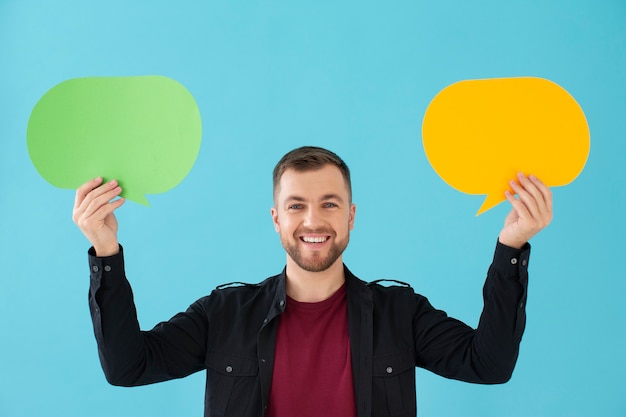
[101, 197]
[532, 188]
[85, 189]
[516, 203]
[84, 195]
[97, 192]
[93, 200]
[541, 206]
[95, 214]
[525, 197]
[94, 193]
[545, 191]
[106, 209]
[537, 199]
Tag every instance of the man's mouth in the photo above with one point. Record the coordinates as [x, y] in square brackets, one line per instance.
[316, 239]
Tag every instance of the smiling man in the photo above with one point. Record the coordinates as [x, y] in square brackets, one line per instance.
[314, 214]
[313, 340]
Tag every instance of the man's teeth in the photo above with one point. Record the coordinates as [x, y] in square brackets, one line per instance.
[314, 239]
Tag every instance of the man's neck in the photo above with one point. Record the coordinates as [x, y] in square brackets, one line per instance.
[313, 287]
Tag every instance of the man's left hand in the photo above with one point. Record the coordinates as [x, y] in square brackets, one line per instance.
[532, 211]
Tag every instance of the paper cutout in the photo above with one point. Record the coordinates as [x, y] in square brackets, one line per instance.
[144, 131]
[478, 134]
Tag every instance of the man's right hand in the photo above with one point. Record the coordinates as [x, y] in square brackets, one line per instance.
[93, 214]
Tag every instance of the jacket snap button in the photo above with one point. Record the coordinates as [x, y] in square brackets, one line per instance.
[229, 369]
[389, 369]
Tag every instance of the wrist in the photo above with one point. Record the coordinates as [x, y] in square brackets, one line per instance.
[106, 250]
[512, 243]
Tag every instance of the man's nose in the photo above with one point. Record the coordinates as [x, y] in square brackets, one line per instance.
[312, 217]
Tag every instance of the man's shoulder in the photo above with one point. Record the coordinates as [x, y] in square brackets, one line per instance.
[391, 290]
[386, 288]
[389, 284]
[244, 290]
[236, 287]
[231, 298]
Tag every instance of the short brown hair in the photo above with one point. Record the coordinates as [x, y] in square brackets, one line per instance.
[310, 158]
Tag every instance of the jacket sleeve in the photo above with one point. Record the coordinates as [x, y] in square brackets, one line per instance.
[129, 356]
[487, 354]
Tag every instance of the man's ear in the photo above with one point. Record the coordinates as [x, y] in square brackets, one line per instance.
[274, 214]
[351, 216]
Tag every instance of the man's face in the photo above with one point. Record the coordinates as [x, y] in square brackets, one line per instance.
[313, 214]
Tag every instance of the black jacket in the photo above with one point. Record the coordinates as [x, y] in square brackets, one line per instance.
[231, 333]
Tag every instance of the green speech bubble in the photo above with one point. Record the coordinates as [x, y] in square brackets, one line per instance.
[144, 131]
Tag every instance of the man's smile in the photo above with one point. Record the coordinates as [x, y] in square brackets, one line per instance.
[314, 239]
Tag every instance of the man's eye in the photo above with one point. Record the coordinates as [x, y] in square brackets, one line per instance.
[294, 206]
[330, 205]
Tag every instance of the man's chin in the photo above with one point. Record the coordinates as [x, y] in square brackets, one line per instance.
[315, 264]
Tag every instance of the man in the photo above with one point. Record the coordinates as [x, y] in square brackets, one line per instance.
[313, 340]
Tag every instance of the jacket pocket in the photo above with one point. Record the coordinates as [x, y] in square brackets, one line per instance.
[394, 385]
[229, 376]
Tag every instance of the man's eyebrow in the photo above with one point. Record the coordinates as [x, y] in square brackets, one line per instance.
[295, 198]
[325, 197]
[331, 197]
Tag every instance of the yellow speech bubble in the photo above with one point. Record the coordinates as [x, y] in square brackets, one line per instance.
[478, 134]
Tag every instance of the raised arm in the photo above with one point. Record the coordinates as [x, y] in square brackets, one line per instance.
[128, 355]
[489, 353]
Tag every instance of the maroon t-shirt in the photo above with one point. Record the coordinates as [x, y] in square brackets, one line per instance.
[312, 366]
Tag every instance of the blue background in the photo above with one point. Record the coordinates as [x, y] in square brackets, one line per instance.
[354, 76]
